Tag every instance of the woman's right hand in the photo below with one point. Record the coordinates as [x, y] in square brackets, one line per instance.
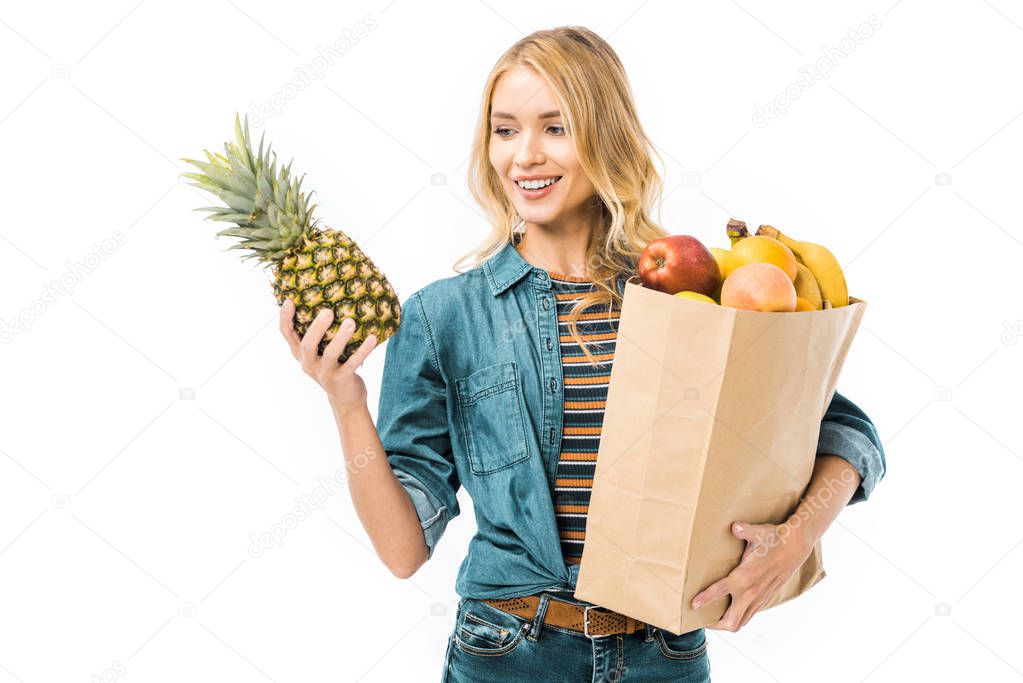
[344, 388]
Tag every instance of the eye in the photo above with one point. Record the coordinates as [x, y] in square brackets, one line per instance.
[504, 132]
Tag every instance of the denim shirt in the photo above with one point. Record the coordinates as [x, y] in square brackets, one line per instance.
[471, 396]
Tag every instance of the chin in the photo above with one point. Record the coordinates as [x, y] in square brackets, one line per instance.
[540, 215]
[539, 219]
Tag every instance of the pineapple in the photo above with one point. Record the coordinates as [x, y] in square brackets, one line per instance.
[316, 267]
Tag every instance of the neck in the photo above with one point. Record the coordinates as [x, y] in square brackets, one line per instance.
[558, 247]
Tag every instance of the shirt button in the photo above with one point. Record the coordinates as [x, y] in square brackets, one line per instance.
[549, 344]
[554, 385]
[546, 304]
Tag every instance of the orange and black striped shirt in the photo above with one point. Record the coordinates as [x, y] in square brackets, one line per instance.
[585, 389]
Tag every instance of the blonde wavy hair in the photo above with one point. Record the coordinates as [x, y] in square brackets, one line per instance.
[593, 92]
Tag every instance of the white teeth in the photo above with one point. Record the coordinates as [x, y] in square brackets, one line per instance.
[536, 184]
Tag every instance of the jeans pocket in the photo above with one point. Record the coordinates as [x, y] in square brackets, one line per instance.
[686, 646]
[490, 407]
[487, 631]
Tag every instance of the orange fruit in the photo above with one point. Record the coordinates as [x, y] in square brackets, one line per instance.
[760, 249]
[804, 305]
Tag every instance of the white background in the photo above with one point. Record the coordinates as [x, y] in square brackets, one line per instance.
[126, 510]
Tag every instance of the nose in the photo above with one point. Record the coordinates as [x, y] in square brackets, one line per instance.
[528, 151]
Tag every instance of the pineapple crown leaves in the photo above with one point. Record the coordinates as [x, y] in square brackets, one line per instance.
[270, 212]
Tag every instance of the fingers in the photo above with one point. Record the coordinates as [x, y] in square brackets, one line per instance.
[305, 348]
[344, 334]
[716, 590]
[751, 610]
[747, 599]
[751, 548]
[356, 359]
[758, 604]
[313, 336]
[758, 537]
[288, 329]
[732, 617]
[737, 605]
[333, 350]
[755, 533]
[730, 585]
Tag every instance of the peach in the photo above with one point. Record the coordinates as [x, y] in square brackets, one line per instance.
[759, 287]
[760, 249]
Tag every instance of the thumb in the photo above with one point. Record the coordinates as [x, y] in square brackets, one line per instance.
[754, 533]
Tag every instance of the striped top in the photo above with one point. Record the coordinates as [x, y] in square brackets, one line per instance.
[585, 388]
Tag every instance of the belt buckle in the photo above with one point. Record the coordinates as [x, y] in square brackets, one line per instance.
[586, 620]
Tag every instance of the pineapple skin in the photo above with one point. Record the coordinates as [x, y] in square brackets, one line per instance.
[327, 270]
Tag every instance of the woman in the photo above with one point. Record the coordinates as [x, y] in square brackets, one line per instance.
[496, 381]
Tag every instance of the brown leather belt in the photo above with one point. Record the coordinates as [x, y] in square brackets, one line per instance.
[589, 620]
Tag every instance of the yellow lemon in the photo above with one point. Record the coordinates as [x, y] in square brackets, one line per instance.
[695, 296]
[721, 256]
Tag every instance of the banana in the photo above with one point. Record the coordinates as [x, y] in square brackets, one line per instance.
[736, 230]
[821, 262]
[806, 286]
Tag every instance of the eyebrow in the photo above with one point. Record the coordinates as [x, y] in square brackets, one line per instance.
[546, 115]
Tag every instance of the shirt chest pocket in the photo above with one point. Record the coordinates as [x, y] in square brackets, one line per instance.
[492, 418]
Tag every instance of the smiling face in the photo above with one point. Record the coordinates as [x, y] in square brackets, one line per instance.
[528, 140]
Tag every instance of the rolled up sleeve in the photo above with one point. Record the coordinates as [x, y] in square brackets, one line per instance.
[412, 422]
[847, 432]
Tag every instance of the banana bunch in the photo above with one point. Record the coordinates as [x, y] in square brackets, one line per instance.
[821, 264]
[820, 279]
[736, 230]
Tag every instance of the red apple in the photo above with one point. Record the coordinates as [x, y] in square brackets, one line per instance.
[679, 263]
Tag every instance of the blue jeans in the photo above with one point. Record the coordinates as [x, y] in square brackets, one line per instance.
[491, 646]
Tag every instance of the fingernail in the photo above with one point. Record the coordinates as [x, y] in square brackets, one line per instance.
[696, 604]
[348, 324]
[326, 313]
[738, 528]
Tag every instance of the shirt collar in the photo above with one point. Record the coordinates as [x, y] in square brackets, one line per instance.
[507, 267]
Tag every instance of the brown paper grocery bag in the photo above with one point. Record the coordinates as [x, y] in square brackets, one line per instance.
[712, 416]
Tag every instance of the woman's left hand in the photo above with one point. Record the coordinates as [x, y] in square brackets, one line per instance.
[773, 554]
